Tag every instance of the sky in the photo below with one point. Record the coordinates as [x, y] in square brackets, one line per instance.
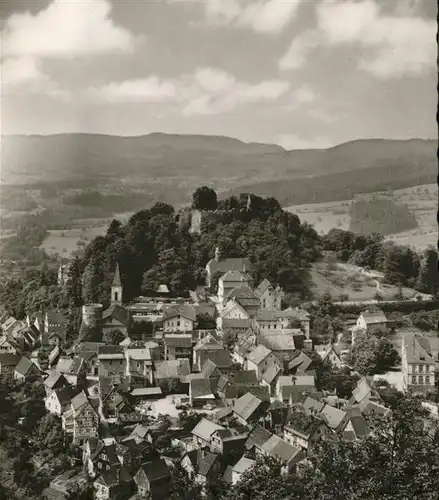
[299, 73]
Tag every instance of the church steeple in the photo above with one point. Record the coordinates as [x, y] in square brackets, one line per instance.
[116, 287]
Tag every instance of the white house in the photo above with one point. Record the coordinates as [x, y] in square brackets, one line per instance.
[180, 318]
[259, 359]
[372, 321]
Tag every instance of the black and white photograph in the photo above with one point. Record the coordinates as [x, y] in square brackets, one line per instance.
[219, 250]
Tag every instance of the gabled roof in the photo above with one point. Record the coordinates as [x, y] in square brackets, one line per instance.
[263, 286]
[223, 413]
[156, 470]
[178, 339]
[239, 263]
[244, 346]
[89, 346]
[247, 405]
[221, 358]
[208, 343]
[332, 416]
[110, 351]
[266, 315]
[259, 354]
[116, 312]
[302, 362]
[278, 341]
[205, 428]
[360, 425]
[277, 447]
[64, 395]
[257, 437]
[293, 313]
[182, 310]
[9, 359]
[142, 354]
[53, 378]
[361, 391]
[146, 391]
[243, 377]
[24, 366]
[312, 406]
[70, 366]
[203, 461]
[200, 388]
[270, 374]
[296, 380]
[173, 369]
[209, 369]
[372, 317]
[244, 296]
[80, 400]
[415, 350]
[243, 465]
[236, 323]
[234, 276]
[162, 289]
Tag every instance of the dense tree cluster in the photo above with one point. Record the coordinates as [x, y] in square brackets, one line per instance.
[370, 355]
[380, 215]
[400, 264]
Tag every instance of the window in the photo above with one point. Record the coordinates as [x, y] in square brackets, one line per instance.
[427, 380]
[421, 368]
[413, 380]
[421, 380]
[116, 296]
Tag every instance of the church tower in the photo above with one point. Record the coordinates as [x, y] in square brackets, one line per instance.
[116, 288]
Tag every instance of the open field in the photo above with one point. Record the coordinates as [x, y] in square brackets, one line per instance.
[422, 200]
[64, 242]
[338, 279]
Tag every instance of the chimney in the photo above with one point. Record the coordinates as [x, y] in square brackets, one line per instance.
[217, 254]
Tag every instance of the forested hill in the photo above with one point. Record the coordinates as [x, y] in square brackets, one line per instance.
[155, 247]
[380, 215]
[177, 164]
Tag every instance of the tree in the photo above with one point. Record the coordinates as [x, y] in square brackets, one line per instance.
[266, 480]
[204, 198]
[386, 355]
[182, 487]
[204, 321]
[370, 355]
[428, 278]
[113, 337]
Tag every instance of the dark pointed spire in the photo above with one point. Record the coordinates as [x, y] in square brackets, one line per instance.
[116, 279]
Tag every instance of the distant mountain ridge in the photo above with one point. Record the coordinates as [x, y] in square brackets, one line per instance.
[180, 163]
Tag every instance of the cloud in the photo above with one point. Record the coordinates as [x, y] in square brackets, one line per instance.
[205, 91]
[391, 45]
[297, 54]
[20, 71]
[66, 29]
[263, 16]
[269, 17]
[20, 75]
[302, 95]
[212, 91]
[152, 89]
[292, 141]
